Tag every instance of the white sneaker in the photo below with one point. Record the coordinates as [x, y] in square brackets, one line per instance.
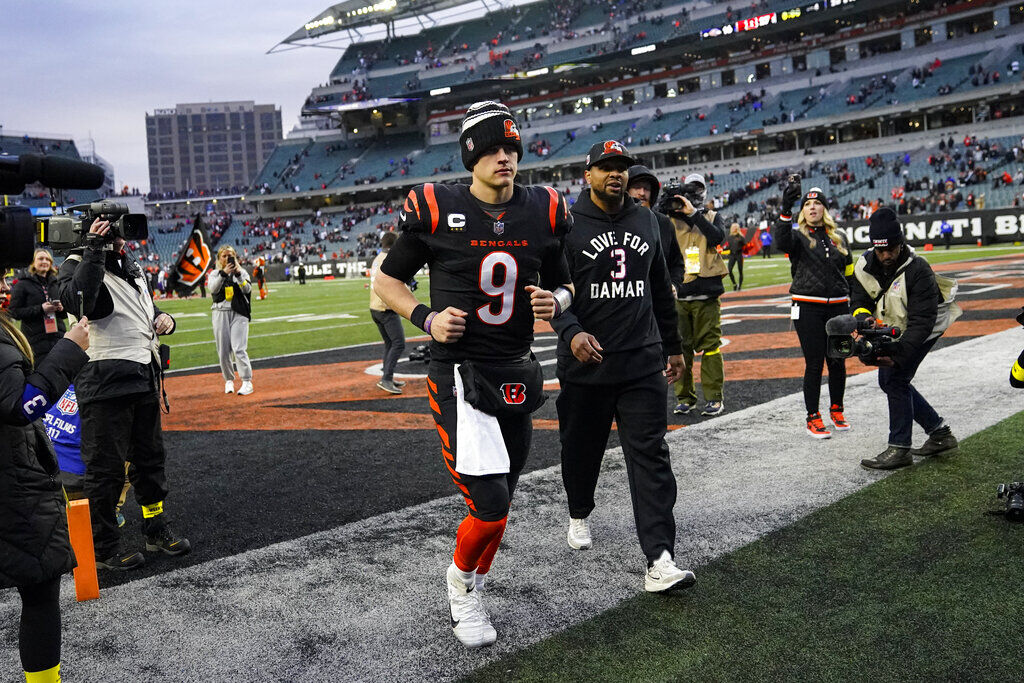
[470, 622]
[579, 534]
[229, 387]
[245, 389]
[664, 576]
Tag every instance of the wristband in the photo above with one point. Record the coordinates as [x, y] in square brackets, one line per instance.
[786, 218]
[418, 317]
[563, 299]
[430, 319]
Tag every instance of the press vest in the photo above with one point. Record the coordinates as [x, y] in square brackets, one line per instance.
[891, 306]
[127, 333]
[711, 263]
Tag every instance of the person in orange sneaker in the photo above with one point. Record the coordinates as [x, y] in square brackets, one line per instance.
[822, 265]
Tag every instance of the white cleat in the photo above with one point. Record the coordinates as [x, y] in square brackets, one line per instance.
[470, 622]
[229, 387]
[664, 576]
[245, 389]
[579, 534]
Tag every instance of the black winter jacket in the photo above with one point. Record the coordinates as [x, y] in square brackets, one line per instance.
[27, 298]
[821, 273]
[670, 246]
[34, 544]
[104, 379]
[922, 298]
[623, 294]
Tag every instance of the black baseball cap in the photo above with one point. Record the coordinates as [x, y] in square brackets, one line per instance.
[609, 149]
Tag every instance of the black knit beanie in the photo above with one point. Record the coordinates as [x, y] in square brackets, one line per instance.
[815, 193]
[884, 229]
[485, 126]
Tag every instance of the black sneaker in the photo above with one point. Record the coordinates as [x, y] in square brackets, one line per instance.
[166, 542]
[891, 458]
[940, 442]
[122, 562]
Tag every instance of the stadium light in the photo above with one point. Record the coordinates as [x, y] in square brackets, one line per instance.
[440, 91]
[642, 49]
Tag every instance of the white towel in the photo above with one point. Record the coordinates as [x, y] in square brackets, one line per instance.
[481, 448]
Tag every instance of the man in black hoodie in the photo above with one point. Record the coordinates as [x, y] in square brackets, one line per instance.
[897, 287]
[644, 187]
[612, 349]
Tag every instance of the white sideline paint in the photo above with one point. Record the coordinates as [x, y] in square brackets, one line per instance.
[366, 601]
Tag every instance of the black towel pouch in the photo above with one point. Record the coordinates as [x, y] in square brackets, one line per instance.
[504, 389]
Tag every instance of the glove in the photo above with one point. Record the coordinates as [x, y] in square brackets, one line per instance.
[790, 196]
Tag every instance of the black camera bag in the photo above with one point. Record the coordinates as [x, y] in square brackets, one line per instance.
[515, 388]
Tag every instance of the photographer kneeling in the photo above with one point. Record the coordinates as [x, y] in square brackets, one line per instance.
[118, 393]
[895, 286]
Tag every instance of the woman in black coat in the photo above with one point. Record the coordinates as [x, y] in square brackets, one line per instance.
[34, 539]
[34, 300]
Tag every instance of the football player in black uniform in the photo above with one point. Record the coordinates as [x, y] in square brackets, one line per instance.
[615, 348]
[489, 245]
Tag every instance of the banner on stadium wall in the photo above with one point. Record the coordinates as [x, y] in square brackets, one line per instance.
[989, 225]
[316, 270]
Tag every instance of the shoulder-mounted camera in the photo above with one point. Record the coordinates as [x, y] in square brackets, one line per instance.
[64, 233]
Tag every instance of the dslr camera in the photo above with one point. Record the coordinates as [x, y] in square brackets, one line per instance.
[873, 343]
[670, 206]
[1014, 495]
[64, 233]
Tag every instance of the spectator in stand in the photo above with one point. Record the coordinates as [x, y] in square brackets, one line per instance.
[231, 291]
[35, 302]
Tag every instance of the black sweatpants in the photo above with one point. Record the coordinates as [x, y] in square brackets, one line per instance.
[115, 430]
[39, 634]
[489, 496]
[810, 329]
[737, 260]
[389, 324]
[585, 414]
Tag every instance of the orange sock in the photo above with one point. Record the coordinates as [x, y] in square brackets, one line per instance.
[473, 540]
[484, 564]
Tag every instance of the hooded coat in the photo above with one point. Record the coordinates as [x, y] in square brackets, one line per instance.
[34, 543]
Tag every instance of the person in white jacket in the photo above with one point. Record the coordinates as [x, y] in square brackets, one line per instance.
[231, 291]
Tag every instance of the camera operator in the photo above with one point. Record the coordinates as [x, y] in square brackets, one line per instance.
[33, 521]
[821, 265]
[643, 186]
[231, 291]
[34, 302]
[897, 287]
[118, 393]
[698, 234]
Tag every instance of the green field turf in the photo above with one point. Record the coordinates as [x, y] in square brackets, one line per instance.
[909, 579]
[329, 314]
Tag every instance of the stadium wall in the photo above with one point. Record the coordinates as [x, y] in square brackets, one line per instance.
[969, 227]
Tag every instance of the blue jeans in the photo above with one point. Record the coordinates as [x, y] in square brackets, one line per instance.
[906, 405]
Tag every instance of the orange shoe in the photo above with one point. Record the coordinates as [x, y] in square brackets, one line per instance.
[838, 421]
[816, 428]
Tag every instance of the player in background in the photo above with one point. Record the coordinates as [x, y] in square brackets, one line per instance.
[489, 245]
